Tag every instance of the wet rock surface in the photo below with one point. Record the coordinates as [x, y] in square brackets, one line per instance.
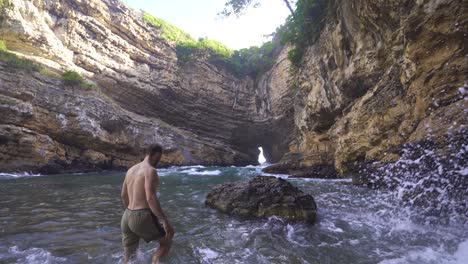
[431, 175]
[263, 196]
[320, 171]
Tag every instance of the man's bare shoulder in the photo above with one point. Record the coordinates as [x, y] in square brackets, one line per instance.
[134, 170]
[150, 171]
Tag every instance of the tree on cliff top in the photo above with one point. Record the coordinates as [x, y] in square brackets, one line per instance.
[250, 61]
[237, 7]
[301, 28]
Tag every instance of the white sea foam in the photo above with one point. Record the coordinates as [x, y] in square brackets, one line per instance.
[427, 180]
[404, 224]
[34, 255]
[331, 227]
[17, 175]
[463, 90]
[461, 255]
[426, 255]
[189, 167]
[179, 169]
[213, 172]
[189, 170]
[431, 255]
[258, 167]
[347, 180]
[207, 254]
[290, 234]
[283, 176]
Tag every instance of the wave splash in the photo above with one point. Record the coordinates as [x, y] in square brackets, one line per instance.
[34, 255]
[430, 179]
[429, 255]
[17, 175]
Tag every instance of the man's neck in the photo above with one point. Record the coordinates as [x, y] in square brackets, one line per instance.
[147, 161]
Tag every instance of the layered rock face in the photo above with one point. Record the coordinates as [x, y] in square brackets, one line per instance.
[49, 128]
[382, 74]
[202, 113]
[275, 95]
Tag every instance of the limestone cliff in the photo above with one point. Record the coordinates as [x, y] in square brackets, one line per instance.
[200, 112]
[382, 74]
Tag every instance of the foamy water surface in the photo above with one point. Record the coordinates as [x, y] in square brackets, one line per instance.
[75, 219]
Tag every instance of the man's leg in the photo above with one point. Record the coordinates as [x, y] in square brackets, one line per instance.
[130, 252]
[163, 250]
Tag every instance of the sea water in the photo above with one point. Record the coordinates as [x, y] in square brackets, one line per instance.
[75, 218]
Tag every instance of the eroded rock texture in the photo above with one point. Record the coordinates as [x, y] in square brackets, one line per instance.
[263, 196]
[382, 74]
[202, 113]
[50, 128]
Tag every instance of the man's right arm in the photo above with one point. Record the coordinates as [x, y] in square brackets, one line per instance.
[124, 193]
[153, 201]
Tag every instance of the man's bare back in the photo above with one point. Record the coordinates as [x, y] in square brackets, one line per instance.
[144, 215]
[135, 181]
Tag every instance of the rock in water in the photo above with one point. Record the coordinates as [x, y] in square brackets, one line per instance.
[263, 196]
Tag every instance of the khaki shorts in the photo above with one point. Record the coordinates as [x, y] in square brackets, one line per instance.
[140, 223]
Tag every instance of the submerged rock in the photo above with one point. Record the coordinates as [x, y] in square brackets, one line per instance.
[263, 196]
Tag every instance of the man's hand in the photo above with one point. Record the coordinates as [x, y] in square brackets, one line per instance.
[153, 202]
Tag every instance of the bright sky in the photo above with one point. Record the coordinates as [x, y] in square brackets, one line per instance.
[261, 157]
[199, 18]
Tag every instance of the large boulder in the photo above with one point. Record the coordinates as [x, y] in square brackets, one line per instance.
[263, 196]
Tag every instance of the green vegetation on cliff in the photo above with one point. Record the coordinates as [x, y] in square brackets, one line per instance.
[50, 73]
[250, 61]
[73, 78]
[14, 62]
[203, 48]
[4, 4]
[254, 60]
[301, 28]
[170, 32]
[3, 46]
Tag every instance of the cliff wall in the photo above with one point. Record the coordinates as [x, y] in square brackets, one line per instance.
[202, 113]
[382, 74]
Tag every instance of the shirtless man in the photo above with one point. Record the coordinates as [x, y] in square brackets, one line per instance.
[141, 218]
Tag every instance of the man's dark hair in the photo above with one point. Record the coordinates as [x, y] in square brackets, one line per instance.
[153, 149]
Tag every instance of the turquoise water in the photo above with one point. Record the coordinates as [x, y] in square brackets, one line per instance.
[75, 219]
